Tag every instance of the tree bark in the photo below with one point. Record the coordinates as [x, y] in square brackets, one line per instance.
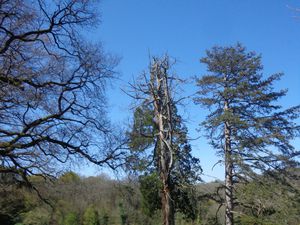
[162, 109]
[167, 205]
[164, 167]
[228, 172]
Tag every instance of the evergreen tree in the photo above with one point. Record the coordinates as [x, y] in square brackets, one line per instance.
[245, 126]
[150, 186]
[179, 169]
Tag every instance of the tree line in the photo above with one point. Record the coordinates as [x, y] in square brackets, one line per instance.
[53, 107]
[101, 200]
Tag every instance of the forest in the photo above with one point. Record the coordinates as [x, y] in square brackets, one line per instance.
[102, 200]
[55, 80]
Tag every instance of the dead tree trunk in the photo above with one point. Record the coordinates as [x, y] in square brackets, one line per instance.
[159, 87]
[167, 204]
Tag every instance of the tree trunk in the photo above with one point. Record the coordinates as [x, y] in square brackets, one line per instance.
[166, 200]
[228, 173]
[163, 114]
[167, 205]
[228, 189]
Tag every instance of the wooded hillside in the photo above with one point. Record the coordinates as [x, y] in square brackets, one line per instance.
[73, 200]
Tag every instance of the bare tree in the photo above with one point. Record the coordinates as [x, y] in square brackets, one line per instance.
[157, 90]
[52, 97]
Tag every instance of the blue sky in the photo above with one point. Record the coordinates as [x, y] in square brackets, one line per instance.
[135, 29]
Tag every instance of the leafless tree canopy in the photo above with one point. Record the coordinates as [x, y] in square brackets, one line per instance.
[52, 103]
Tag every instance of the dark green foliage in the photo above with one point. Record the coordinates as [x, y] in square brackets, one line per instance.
[186, 202]
[143, 129]
[142, 137]
[185, 196]
[150, 187]
[186, 169]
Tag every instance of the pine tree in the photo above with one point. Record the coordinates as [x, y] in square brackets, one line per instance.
[244, 125]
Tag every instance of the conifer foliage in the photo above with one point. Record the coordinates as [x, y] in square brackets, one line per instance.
[245, 125]
[158, 126]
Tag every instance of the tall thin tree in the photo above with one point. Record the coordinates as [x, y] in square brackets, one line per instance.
[162, 128]
[247, 128]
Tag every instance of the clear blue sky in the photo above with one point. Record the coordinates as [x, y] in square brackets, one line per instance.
[133, 29]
